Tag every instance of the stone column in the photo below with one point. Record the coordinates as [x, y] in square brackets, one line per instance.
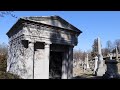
[8, 59]
[70, 62]
[65, 66]
[99, 46]
[30, 63]
[46, 62]
[100, 57]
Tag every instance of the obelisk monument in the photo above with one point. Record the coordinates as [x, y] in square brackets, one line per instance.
[101, 68]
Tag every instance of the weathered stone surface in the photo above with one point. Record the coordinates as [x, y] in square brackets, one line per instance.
[19, 59]
[101, 65]
[112, 69]
[52, 20]
[118, 65]
[30, 44]
[101, 71]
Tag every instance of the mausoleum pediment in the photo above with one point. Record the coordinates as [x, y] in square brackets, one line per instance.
[51, 28]
[53, 21]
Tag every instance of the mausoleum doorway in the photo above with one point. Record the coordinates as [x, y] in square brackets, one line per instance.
[55, 65]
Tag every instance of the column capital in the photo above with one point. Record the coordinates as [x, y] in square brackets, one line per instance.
[31, 42]
[48, 43]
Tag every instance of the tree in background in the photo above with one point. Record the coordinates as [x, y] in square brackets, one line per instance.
[3, 56]
[89, 54]
[108, 49]
[94, 48]
[3, 49]
[105, 52]
[3, 64]
[109, 46]
[4, 13]
[117, 43]
[77, 55]
[84, 55]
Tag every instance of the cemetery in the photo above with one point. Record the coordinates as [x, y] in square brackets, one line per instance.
[101, 68]
[42, 47]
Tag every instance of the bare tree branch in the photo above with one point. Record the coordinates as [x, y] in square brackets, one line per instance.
[4, 13]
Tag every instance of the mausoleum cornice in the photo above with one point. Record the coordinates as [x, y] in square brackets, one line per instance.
[22, 21]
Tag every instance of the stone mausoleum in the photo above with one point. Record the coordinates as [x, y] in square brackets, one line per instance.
[42, 48]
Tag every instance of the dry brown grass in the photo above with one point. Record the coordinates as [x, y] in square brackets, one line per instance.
[78, 71]
[3, 66]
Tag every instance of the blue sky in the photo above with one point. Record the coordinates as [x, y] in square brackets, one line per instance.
[105, 24]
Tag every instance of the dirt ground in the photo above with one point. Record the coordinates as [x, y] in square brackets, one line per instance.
[77, 71]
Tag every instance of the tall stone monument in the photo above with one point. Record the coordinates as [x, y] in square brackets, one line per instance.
[101, 68]
[42, 48]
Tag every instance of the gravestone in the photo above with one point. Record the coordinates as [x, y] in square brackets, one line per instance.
[84, 66]
[95, 65]
[87, 62]
[112, 69]
[42, 48]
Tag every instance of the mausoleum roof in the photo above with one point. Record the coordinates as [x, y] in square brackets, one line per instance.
[55, 21]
